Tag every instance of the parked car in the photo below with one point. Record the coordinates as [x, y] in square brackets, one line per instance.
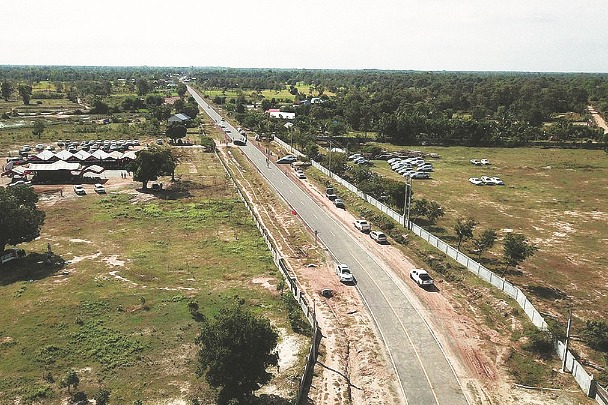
[99, 189]
[330, 193]
[11, 254]
[287, 159]
[497, 181]
[475, 162]
[420, 175]
[484, 161]
[487, 181]
[421, 277]
[362, 225]
[426, 167]
[344, 274]
[476, 181]
[79, 190]
[354, 156]
[338, 202]
[300, 175]
[378, 236]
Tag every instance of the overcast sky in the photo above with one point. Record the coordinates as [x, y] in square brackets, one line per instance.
[497, 35]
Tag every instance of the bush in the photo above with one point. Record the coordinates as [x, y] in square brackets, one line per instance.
[540, 343]
[596, 334]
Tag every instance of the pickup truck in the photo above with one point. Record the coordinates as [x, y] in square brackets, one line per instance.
[330, 193]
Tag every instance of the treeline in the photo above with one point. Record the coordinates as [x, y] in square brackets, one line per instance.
[432, 107]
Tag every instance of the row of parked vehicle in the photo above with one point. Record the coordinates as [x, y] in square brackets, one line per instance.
[414, 167]
[359, 159]
[486, 181]
[98, 188]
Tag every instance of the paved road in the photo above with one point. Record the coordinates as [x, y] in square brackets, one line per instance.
[425, 374]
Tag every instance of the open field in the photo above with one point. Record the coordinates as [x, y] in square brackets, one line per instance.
[556, 197]
[117, 312]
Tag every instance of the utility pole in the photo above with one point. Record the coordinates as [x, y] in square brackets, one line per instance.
[567, 340]
[407, 202]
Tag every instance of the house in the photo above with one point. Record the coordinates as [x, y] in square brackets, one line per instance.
[277, 113]
[178, 118]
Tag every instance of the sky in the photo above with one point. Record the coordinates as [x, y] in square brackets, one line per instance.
[428, 35]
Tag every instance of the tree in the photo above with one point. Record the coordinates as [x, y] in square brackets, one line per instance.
[516, 249]
[181, 89]
[7, 89]
[236, 349]
[102, 397]
[419, 208]
[143, 87]
[38, 128]
[485, 241]
[434, 211]
[151, 163]
[464, 229]
[70, 380]
[20, 220]
[25, 91]
[176, 131]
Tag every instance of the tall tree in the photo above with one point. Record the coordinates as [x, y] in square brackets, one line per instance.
[151, 163]
[517, 248]
[464, 229]
[70, 380]
[181, 89]
[20, 220]
[143, 86]
[7, 89]
[236, 350]
[25, 91]
[176, 131]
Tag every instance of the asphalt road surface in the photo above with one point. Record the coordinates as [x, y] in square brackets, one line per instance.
[425, 375]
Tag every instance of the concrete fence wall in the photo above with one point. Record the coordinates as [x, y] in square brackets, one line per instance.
[293, 287]
[584, 380]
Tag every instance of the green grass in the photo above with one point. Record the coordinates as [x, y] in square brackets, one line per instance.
[556, 197]
[133, 335]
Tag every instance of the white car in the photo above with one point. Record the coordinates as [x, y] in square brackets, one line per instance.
[300, 175]
[421, 277]
[99, 189]
[79, 190]
[484, 161]
[362, 225]
[420, 175]
[475, 162]
[378, 236]
[487, 181]
[476, 181]
[354, 156]
[344, 274]
[497, 181]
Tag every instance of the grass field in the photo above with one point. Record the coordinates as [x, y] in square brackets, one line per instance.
[118, 311]
[556, 197]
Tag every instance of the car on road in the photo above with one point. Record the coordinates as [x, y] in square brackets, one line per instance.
[378, 236]
[79, 190]
[99, 189]
[362, 225]
[338, 202]
[476, 181]
[421, 277]
[287, 159]
[344, 274]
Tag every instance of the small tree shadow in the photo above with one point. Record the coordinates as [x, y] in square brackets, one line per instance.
[35, 266]
[549, 293]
